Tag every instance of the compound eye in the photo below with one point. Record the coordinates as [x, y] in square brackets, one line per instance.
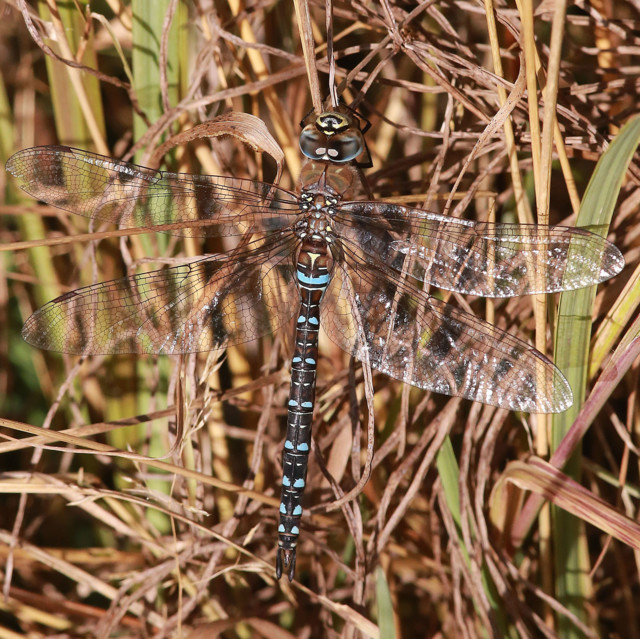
[313, 144]
[347, 146]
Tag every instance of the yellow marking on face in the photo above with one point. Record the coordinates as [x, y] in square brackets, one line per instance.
[341, 122]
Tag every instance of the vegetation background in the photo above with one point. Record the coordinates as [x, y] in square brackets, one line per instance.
[139, 495]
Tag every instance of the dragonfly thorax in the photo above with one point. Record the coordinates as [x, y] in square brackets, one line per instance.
[318, 207]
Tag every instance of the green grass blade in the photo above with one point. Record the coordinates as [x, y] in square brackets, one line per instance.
[148, 20]
[386, 622]
[147, 35]
[70, 120]
[573, 336]
[449, 474]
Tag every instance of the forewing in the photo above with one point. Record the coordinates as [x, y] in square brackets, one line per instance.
[492, 260]
[203, 305]
[137, 197]
[407, 334]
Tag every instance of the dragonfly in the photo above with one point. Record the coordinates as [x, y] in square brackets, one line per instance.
[318, 257]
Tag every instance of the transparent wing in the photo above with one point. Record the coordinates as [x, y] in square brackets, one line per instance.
[492, 260]
[210, 303]
[136, 197]
[407, 334]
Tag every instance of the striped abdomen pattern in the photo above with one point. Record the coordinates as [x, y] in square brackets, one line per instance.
[313, 278]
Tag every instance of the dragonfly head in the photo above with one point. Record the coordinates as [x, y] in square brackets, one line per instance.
[332, 137]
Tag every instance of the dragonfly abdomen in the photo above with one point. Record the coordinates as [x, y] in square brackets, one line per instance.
[313, 277]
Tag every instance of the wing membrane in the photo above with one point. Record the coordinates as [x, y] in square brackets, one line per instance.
[491, 260]
[210, 303]
[133, 196]
[415, 338]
